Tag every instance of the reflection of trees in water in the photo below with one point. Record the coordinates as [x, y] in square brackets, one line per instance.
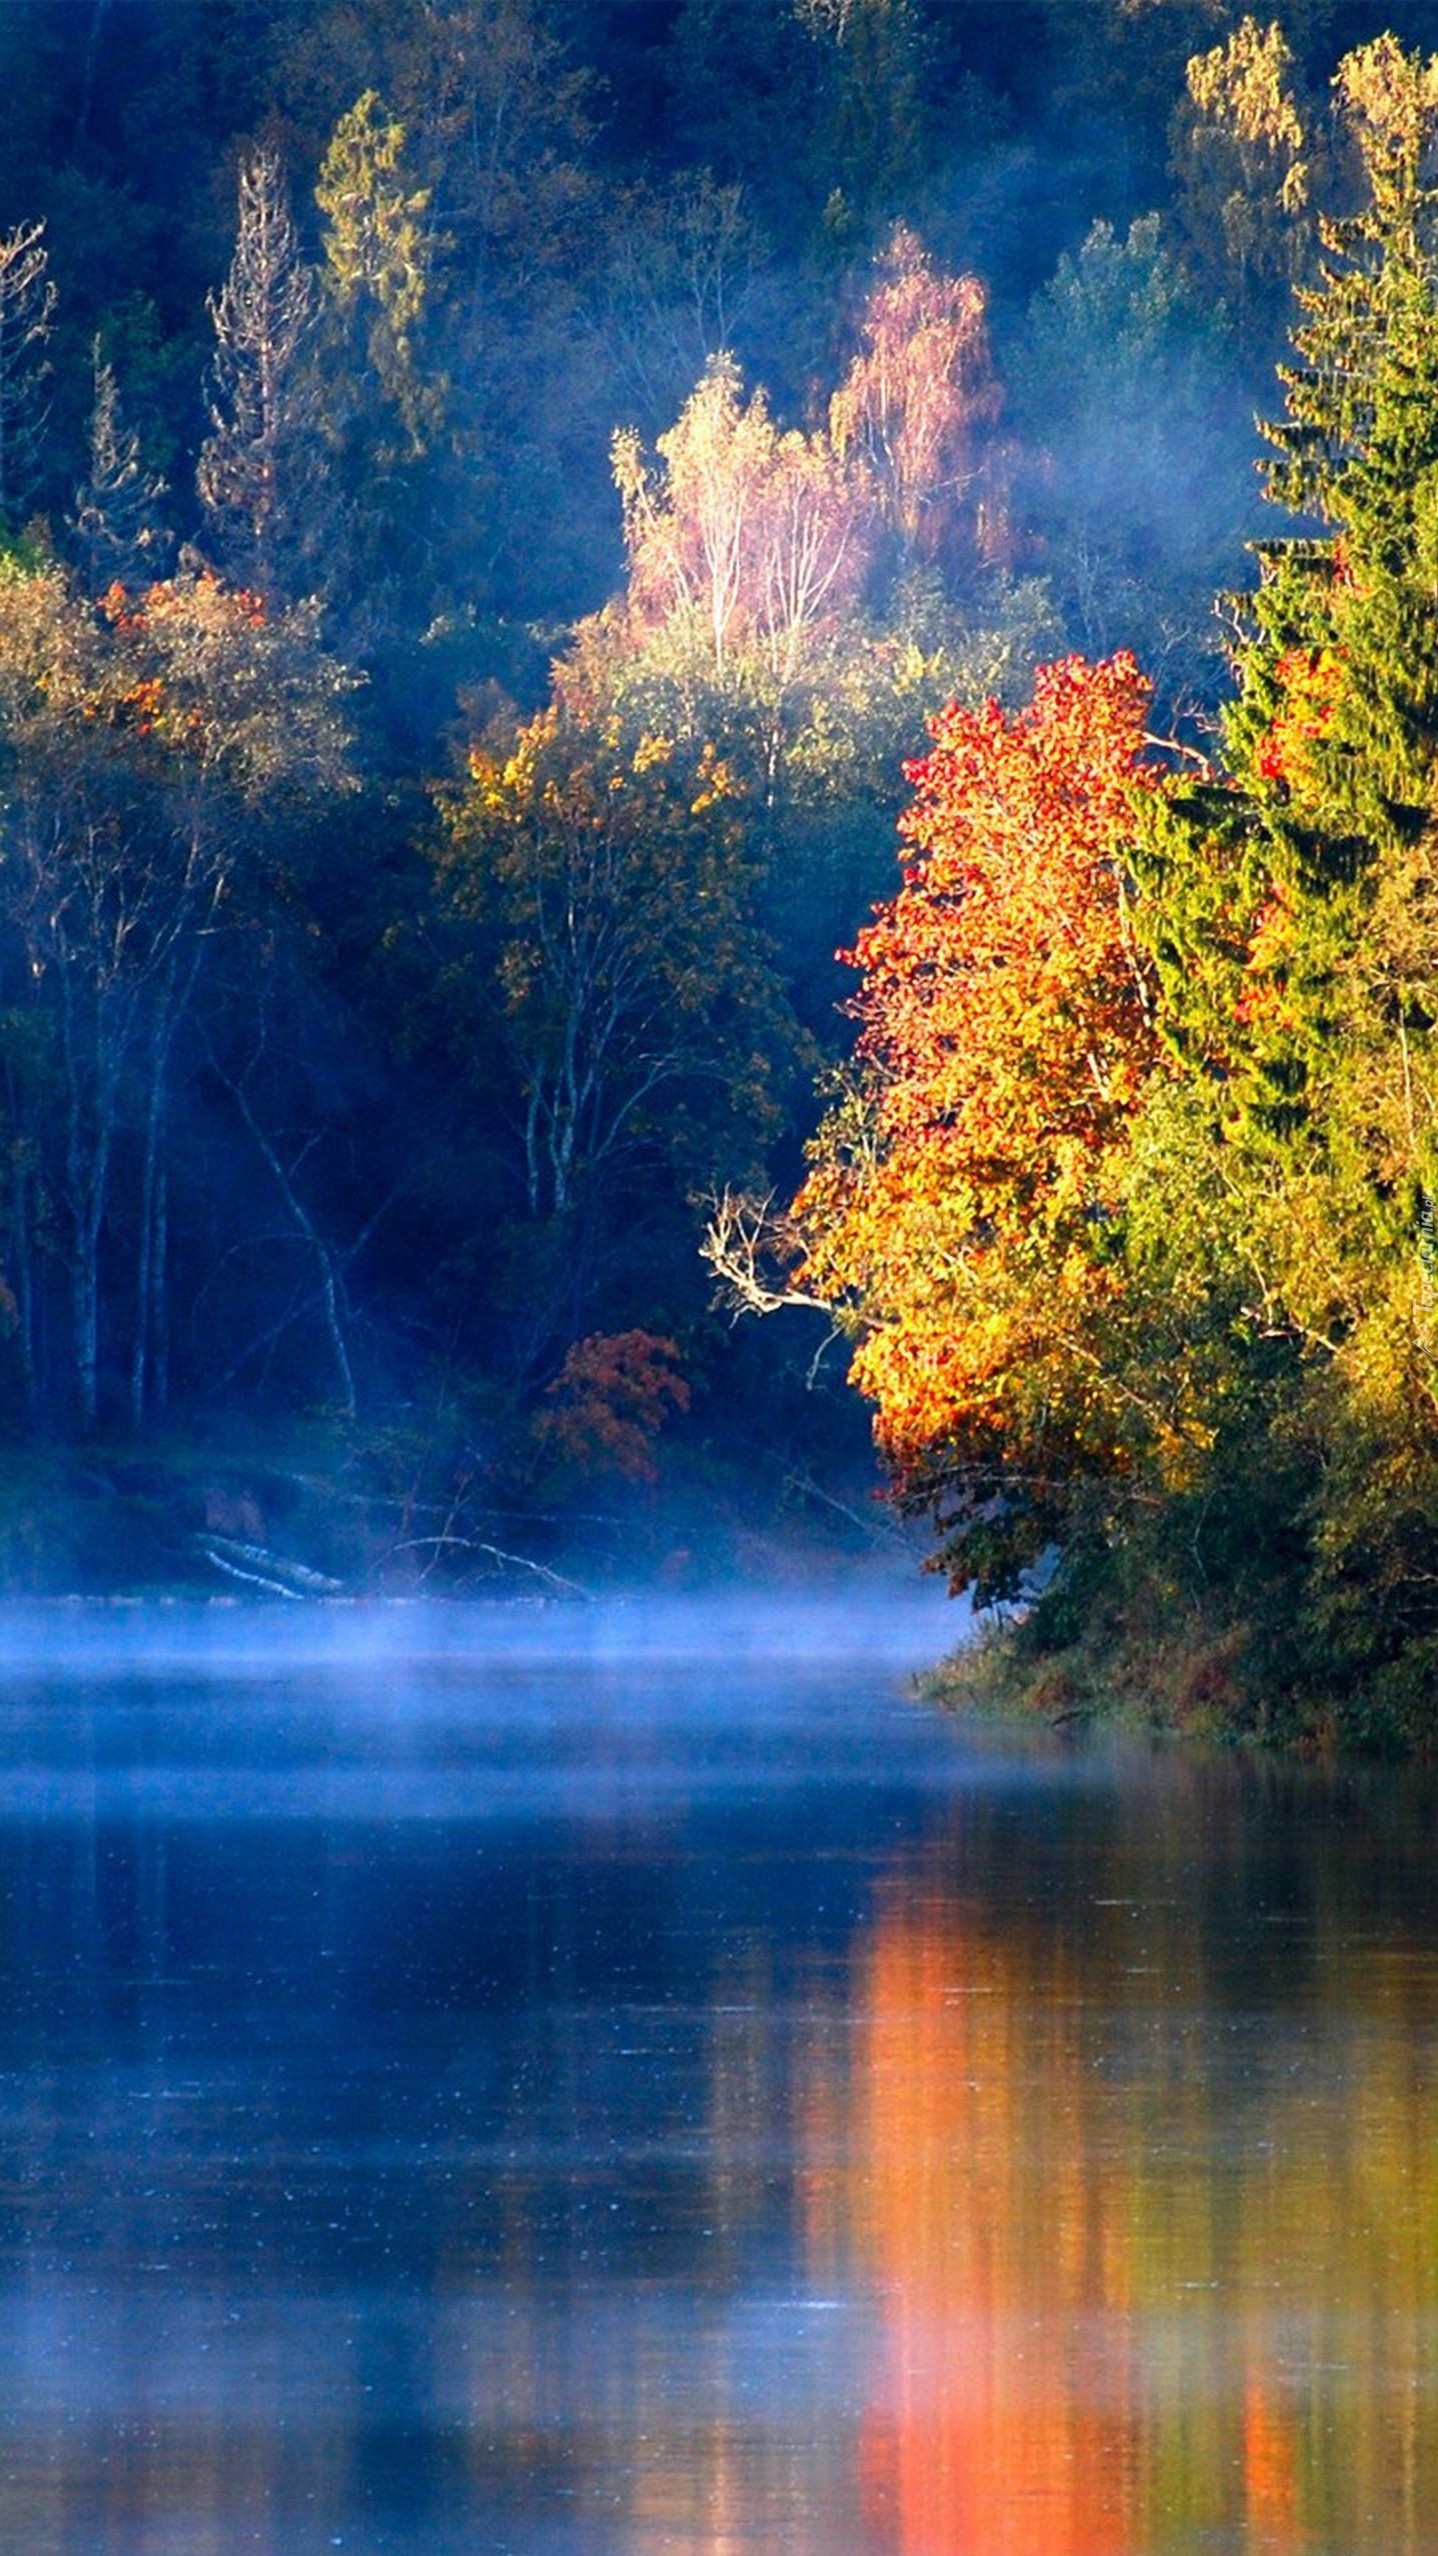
[1152, 2259]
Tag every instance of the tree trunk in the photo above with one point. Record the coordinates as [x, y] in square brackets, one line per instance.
[87, 76]
[331, 1293]
[85, 1308]
[160, 1296]
[25, 1293]
[87, 1181]
[142, 1352]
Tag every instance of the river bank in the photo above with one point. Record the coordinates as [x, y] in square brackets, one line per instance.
[1191, 1676]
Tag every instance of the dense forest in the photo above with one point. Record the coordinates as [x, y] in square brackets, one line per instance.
[495, 499]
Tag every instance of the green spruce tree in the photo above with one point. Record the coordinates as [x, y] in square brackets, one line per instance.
[1288, 901]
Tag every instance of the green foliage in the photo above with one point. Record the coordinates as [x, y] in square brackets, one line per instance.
[1140, 469]
[1287, 904]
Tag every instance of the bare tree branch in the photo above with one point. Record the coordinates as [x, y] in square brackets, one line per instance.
[749, 1246]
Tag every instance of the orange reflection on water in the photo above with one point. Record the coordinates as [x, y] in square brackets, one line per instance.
[1149, 2267]
[1270, 2469]
[995, 2429]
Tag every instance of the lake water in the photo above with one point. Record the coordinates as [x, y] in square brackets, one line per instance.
[632, 2081]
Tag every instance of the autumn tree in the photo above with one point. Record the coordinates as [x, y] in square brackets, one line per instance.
[754, 537]
[768, 608]
[1128, 1208]
[607, 891]
[955, 1219]
[604, 1410]
[1244, 153]
[916, 402]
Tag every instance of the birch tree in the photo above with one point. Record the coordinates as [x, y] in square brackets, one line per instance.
[917, 401]
[754, 537]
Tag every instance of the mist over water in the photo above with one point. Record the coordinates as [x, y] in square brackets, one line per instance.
[893, 1617]
[449, 1712]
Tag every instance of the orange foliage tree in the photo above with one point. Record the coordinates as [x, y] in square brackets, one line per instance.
[961, 1213]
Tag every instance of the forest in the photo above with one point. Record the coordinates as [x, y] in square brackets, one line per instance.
[512, 518]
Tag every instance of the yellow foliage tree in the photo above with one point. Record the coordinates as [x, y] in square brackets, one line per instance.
[1244, 158]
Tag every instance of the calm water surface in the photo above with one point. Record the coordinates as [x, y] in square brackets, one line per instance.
[630, 2082]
